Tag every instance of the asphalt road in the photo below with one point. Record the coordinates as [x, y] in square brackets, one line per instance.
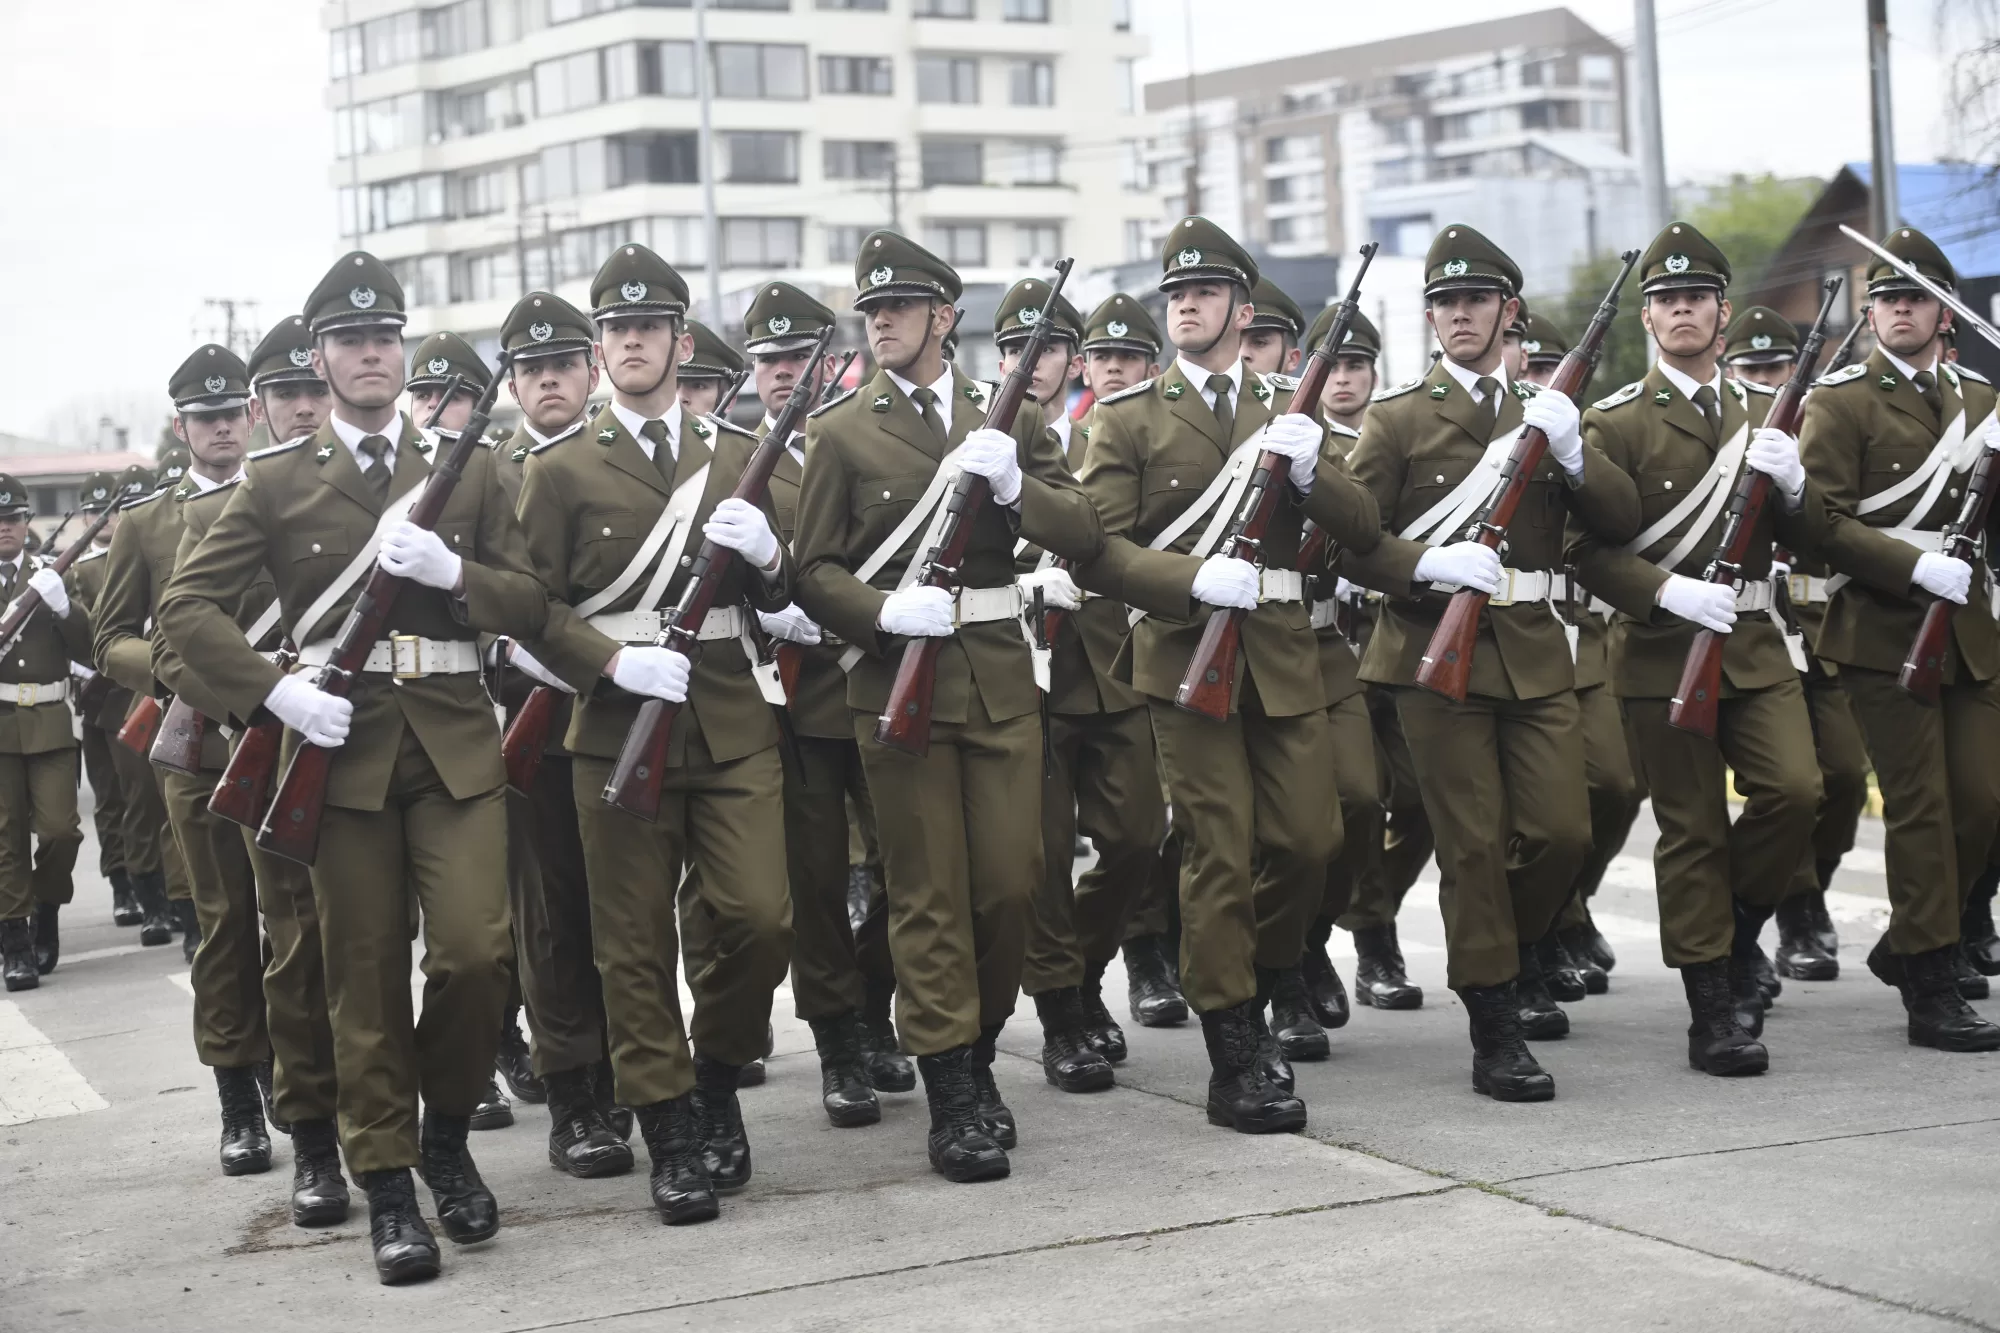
[1850, 1188]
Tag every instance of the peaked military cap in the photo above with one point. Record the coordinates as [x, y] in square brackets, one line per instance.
[1760, 336]
[782, 318]
[1196, 250]
[713, 358]
[894, 265]
[284, 354]
[1275, 310]
[137, 482]
[543, 324]
[14, 499]
[1121, 324]
[359, 291]
[1462, 260]
[99, 489]
[174, 464]
[1681, 256]
[635, 281]
[1022, 307]
[1917, 250]
[1519, 328]
[1362, 338]
[443, 355]
[1544, 343]
[212, 379]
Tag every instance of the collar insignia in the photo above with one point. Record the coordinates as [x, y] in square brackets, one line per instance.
[361, 298]
[607, 435]
[519, 454]
[699, 429]
[1663, 397]
[1888, 381]
[881, 402]
[1263, 394]
[301, 357]
[972, 393]
[324, 452]
[1173, 391]
[1440, 391]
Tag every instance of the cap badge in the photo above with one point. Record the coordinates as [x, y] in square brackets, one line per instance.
[362, 298]
[1455, 268]
[780, 326]
[542, 332]
[301, 357]
[1117, 328]
[98, 493]
[1188, 257]
[1762, 342]
[878, 276]
[1030, 316]
[633, 291]
[1531, 345]
[215, 384]
[1677, 263]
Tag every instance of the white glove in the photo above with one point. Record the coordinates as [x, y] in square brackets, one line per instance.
[918, 610]
[1992, 439]
[644, 669]
[320, 717]
[1467, 564]
[1710, 605]
[420, 555]
[1942, 576]
[1343, 591]
[1776, 455]
[1780, 571]
[82, 672]
[1556, 416]
[790, 624]
[1223, 580]
[742, 527]
[1298, 438]
[54, 596]
[993, 455]
[1058, 589]
[524, 662]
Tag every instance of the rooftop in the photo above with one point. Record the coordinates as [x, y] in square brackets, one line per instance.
[1956, 204]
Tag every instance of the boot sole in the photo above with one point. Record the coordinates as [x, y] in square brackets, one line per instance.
[894, 1084]
[733, 1187]
[1979, 992]
[1544, 1091]
[752, 1075]
[1546, 1029]
[1166, 1016]
[680, 1215]
[1330, 1019]
[1413, 999]
[1092, 1080]
[416, 1268]
[1285, 1122]
[1826, 971]
[493, 1120]
[248, 1166]
[614, 1165]
[152, 942]
[24, 983]
[983, 1167]
[1956, 1045]
[126, 921]
[329, 1214]
[1307, 1048]
[854, 1117]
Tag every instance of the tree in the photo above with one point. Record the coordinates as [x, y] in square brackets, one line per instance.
[1623, 358]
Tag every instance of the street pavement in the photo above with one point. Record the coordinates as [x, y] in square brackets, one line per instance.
[1852, 1187]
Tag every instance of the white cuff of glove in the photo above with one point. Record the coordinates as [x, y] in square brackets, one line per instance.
[993, 455]
[645, 669]
[321, 718]
[742, 527]
[1058, 589]
[790, 624]
[1942, 576]
[1224, 580]
[920, 610]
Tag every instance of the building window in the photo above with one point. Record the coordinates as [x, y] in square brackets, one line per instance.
[858, 159]
[399, 203]
[569, 83]
[1037, 244]
[425, 279]
[490, 275]
[455, 30]
[1603, 116]
[1291, 148]
[855, 74]
[1409, 236]
[760, 242]
[947, 79]
[1137, 175]
[347, 55]
[1297, 231]
[1137, 247]
[1031, 82]
[752, 69]
[1126, 74]
[678, 240]
[843, 243]
[563, 11]
[1598, 71]
[382, 127]
[953, 162]
[1121, 15]
[758, 157]
[770, 5]
[481, 193]
[878, 6]
[395, 39]
[958, 243]
[656, 158]
[943, 9]
[462, 112]
[571, 169]
[1036, 162]
[1294, 189]
[1025, 11]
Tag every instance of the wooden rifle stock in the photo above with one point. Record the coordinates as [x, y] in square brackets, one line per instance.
[1446, 668]
[1922, 676]
[243, 793]
[178, 746]
[1699, 693]
[791, 659]
[291, 826]
[642, 760]
[1210, 680]
[905, 724]
[528, 737]
[142, 725]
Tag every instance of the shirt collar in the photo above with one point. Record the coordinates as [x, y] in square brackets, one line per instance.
[352, 435]
[1469, 378]
[942, 388]
[636, 425]
[540, 438]
[203, 485]
[1198, 377]
[1062, 428]
[1687, 384]
[1908, 371]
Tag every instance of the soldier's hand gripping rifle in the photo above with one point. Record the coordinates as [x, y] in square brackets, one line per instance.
[243, 793]
[1699, 692]
[642, 761]
[1210, 678]
[30, 601]
[905, 723]
[291, 826]
[1447, 665]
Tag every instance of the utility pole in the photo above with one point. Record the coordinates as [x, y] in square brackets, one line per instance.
[250, 335]
[1654, 199]
[712, 244]
[895, 195]
[1194, 120]
[1883, 212]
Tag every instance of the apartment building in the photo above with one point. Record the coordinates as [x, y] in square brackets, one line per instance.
[488, 147]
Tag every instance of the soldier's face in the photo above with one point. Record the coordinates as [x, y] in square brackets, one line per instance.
[1512, 356]
[1349, 385]
[1539, 374]
[296, 408]
[639, 353]
[216, 439]
[777, 374]
[552, 390]
[700, 396]
[1058, 366]
[1201, 314]
[1467, 323]
[1906, 323]
[103, 537]
[1773, 373]
[425, 401]
[1107, 371]
[1686, 321]
[1268, 352]
[901, 327]
[13, 535]
[363, 367]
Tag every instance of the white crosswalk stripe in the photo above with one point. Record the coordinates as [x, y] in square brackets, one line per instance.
[37, 1081]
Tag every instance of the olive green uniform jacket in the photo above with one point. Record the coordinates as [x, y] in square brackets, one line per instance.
[41, 656]
[86, 576]
[819, 695]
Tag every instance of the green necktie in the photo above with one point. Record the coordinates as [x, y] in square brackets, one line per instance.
[926, 402]
[1927, 386]
[1225, 409]
[375, 448]
[663, 453]
[1704, 398]
[1489, 405]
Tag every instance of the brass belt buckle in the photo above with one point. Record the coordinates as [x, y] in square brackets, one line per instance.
[1505, 594]
[1798, 587]
[24, 695]
[415, 644]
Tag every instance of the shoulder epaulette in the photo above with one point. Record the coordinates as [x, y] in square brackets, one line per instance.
[1339, 429]
[1138, 388]
[217, 489]
[1384, 395]
[1280, 381]
[130, 505]
[1620, 398]
[1852, 371]
[1965, 372]
[730, 426]
[282, 448]
[834, 402]
[94, 553]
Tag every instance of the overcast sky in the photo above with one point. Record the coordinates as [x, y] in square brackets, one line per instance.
[161, 153]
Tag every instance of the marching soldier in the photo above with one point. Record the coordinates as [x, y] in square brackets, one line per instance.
[1271, 343]
[102, 709]
[40, 832]
[1890, 440]
[290, 394]
[708, 371]
[1430, 452]
[413, 817]
[607, 510]
[1254, 793]
[1543, 347]
[1685, 434]
[960, 827]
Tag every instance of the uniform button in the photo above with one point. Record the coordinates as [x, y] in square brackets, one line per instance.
[1953, 493]
[686, 560]
[1667, 485]
[885, 495]
[607, 532]
[1895, 467]
[1440, 477]
[315, 548]
[1173, 482]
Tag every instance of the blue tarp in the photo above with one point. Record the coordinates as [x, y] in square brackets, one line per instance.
[1955, 204]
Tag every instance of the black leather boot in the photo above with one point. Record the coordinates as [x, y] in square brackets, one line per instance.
[1982, 945]
[889, 1070]
[1800, 955]
[616, 1116]
[753, 1074]
[1069, 1061]
[494, 1110]
[1150, 988]
[1889, 968]
[319, 1191]
[1972, 985]
[405, 1250]
[682, 1191]
[581, 1140]
[1717, 1043]
[262, 1072]
[1540, 1017]
[962, 1149]
[157, 926]
[466, 1209]
[48, 937]
[246, 1145]
[1379, 981]
[187, 922]
[1240, 1096]
[17, 955]
[1596, 981]
[1324, 989]
[843, 1072]
[1502, 1068]
[1300, 1037]
[125, 909]
[1939, 1016]
[1099, 1027]
[993, 1113]
[1561, 975]
[725, 1144]
[1587, 941]
[1270, 1056]
[515, 1064]
[1746, 979]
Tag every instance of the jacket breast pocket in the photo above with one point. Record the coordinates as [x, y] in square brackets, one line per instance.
[1165, 489]
[1427, 483]
[1543, 505]
[329, 544]
[1886, 467]
[881, 502]
[460, 536]
[606, 541]
[1662, 488]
